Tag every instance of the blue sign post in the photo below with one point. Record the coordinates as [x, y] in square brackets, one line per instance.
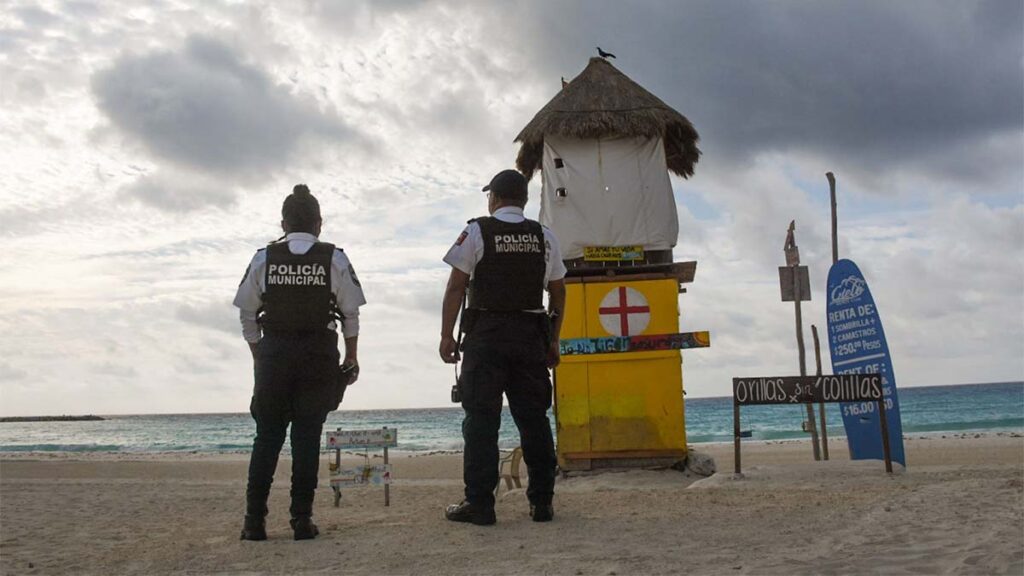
[857, 344]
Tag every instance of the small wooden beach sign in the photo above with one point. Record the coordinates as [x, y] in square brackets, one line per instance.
[372, 474]
[355, 439]
[366, 474]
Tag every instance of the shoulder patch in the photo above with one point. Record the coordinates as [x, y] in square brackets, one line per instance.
[462, 237]
[355, 279]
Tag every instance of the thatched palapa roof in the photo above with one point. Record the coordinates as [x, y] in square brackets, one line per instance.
[604, 103]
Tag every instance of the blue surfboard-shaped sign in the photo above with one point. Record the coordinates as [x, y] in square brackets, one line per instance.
[857, 343]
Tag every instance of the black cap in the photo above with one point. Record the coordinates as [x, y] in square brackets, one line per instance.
[508, 184]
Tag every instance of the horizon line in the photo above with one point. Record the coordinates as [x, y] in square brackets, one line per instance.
[451, 406]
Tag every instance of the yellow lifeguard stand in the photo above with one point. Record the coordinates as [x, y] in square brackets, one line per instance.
[605, 146]
[622, 408]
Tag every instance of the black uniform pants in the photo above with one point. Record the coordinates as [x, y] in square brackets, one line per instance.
[294, 372]
[506, 353]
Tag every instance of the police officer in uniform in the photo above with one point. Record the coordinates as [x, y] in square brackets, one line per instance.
[506, 262]
[293, 293]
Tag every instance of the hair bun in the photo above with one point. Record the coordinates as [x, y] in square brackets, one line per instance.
[301, 190]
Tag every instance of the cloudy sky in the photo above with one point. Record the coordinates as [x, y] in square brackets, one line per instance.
[145, 149]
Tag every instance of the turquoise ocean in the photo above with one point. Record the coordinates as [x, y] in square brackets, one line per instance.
[925, 410]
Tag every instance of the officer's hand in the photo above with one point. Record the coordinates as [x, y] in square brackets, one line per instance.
[449, 350]
[351, 365]
[554, 355]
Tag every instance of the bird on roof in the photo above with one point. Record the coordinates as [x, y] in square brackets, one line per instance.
[604, 54]
[564, 83]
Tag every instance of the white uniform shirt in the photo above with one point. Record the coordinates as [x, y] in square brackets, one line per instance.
[344, 284]
[467, 251]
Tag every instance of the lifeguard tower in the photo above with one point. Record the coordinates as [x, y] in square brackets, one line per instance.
[604, 146]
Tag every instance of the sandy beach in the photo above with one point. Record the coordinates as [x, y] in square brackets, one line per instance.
[959, 508]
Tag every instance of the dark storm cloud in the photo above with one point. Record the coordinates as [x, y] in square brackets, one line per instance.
[179, 195]
[884, 81]
[81, 9]
[35, 17]
[355, 16]
[206, 109]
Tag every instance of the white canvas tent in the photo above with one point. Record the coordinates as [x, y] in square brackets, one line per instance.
[607, 192]
[605, 147]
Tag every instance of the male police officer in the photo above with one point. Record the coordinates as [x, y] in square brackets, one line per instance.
[506, 261]
[292, 292]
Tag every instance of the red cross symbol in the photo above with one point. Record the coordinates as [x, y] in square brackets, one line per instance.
[623, 309]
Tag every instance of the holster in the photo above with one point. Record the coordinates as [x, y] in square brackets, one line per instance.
[548, 328]
[468, 320]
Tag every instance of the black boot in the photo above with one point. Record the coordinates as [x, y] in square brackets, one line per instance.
[466, 511]
[304, 528]
[542, 512]
[255, 528]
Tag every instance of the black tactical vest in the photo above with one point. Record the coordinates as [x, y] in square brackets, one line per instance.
[297, 288]
[510, 275]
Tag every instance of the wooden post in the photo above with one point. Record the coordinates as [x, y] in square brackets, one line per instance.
[337, 466]
[387, 487]
[835, 224]
[736, 431]
[803, 366]
[884, 421]
[793, 261]
[799, 324]
[821, 406]
[835, 258]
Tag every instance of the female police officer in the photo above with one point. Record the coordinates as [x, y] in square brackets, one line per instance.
[289, 298]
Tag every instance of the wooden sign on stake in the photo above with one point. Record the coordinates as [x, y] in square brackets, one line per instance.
[808, 390]
[366, 474]
[788, 286]
[795, 284]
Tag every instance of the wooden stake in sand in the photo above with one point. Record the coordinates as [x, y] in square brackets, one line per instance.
[821, 406]
[835, 258]
[795, 286]
[835, 227]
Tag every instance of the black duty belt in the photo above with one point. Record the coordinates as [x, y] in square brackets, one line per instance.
[304, 333]
[483, 313]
